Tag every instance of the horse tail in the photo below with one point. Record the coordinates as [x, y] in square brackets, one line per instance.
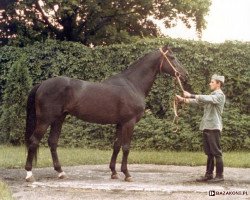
[31, 116]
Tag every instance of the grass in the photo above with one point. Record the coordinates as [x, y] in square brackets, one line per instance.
[14, 157]
[5, 193]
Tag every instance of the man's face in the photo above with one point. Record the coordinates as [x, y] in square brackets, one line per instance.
[214, 85]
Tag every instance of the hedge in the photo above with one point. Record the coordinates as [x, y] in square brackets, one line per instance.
[155, 130]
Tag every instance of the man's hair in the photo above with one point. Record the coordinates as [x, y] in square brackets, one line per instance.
[221, 83]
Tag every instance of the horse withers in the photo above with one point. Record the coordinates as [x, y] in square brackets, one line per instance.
[118, 100]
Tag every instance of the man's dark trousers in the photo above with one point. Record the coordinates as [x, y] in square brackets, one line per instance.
[212, 148]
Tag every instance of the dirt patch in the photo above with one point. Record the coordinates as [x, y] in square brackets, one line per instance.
[150, 182]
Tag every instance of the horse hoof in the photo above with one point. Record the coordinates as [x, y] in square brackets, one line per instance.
[128, 179]
[114, 176]
[62, 175]
[30, 179]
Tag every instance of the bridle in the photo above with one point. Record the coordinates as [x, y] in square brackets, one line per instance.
[176, 73]
[177, 76]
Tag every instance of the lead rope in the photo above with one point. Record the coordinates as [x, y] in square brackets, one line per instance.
[175, 106]
[175, 102]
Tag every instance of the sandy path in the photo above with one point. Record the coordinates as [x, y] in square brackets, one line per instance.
[150, 182]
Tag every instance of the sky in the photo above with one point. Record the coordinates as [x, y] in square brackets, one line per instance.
[227, 20]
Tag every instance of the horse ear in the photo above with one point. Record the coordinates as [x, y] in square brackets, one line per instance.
[165, 48]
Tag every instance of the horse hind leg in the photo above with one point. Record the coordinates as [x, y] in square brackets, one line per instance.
[116, 150]
[55, 132]
[33, 148]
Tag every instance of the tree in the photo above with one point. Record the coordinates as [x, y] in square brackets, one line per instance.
[97, 21]
[5, 3]
[12, 118]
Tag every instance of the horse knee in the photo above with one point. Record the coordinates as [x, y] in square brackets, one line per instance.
[34, 142]
[116, 147]
[125, 148]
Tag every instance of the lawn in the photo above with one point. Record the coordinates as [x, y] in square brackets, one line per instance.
[5, 193]
[14, 157]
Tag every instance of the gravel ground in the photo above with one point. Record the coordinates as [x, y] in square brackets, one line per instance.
[149, 182]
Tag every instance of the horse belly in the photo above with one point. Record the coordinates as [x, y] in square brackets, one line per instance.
[97, 111]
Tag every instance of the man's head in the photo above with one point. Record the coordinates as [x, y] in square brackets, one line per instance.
[216, 82]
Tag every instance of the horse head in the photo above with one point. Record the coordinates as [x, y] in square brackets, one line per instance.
[171, 65]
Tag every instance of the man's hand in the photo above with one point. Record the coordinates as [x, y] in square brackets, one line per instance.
[187, 94]
[179, 98]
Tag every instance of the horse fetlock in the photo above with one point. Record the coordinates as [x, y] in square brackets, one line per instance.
[58, 168]
[114, 173]
[127, 174]
[29, 174]
[30, 177]
[114, 176]
[124, 170]
[28, 167]
[62, 175]
[112, 166]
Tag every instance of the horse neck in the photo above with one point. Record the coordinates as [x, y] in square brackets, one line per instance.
[143, 74]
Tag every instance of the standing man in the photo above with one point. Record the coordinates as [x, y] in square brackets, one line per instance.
[211, 125]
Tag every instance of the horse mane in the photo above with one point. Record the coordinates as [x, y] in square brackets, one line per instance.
[134, 64]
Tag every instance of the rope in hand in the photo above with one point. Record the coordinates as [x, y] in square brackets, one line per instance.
[175, 106]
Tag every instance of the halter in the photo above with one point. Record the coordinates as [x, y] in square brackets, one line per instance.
[177, 76]
[176, 73]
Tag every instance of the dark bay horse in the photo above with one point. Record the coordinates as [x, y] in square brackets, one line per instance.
[118, 100]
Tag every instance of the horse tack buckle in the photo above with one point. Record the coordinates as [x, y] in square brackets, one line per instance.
[177, 74]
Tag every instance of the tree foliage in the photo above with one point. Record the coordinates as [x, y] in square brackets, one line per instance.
[96, 21]
[202, 60]
[12, 120]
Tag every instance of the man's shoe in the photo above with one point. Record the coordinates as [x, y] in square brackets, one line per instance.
[205, 178]
[216, 179]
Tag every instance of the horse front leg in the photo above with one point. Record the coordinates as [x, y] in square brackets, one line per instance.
[116, 150]
[127, 132]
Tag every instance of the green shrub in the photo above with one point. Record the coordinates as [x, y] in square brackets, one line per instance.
[154, 131]
[12, 118]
